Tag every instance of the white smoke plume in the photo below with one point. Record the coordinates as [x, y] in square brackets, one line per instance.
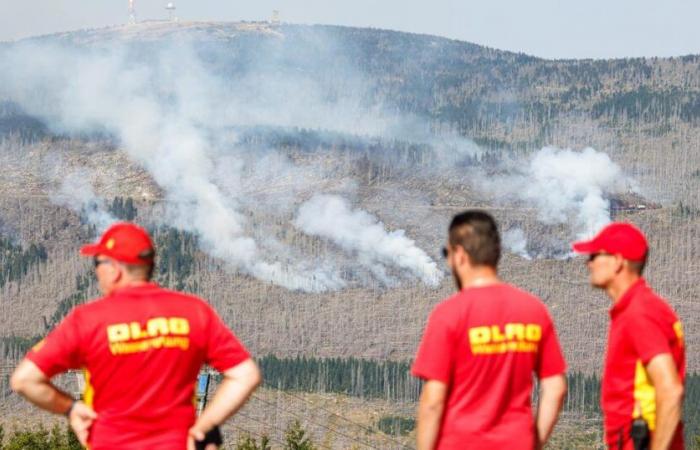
[514, 239]
[166, 113]
[564, 184]
[566, 187]
[356, 231]
[76, 193]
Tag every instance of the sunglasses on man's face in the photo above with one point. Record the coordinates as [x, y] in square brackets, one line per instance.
[97, 262]
[445, 252]
[593, 256]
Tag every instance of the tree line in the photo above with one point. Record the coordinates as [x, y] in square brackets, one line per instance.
[16, 261]
[392, 381]
[62, 438]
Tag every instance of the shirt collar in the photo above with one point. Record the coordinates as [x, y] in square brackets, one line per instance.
[627, 297]
[126, 290]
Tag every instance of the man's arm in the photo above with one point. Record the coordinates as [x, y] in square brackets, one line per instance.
[31, 383]
[238, 383]
[669, 399]
[430, 409]
[552, 392]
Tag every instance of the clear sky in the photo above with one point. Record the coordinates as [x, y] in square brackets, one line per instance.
[546, 28]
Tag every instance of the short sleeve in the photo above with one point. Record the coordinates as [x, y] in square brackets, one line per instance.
[435, 359]
[224, 350]
[550, 359]
[647, 337]
[59, 351]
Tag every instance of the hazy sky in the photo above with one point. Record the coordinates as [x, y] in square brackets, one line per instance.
[547, 28]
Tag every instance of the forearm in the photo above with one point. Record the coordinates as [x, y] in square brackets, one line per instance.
[228, 398]
[669, 410]
[669, 399]
[552, 392]
[46, 396]
[429, 420]
[547, 416]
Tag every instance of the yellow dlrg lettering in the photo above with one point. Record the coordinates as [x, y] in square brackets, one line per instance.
[178, 325]
[136, 331]
[479, 335]
[157, 326]
[118, 332]
[515, 331]
[496, 335]
[533, 332]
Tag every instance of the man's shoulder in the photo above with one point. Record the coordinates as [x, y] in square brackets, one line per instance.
[179, 295]
[650, 304]
[447, 305]
[103, 305]
[521, 294]
[504, 293]
[518, 298]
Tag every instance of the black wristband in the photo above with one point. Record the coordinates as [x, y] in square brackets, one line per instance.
[212, 436]
[70, 408]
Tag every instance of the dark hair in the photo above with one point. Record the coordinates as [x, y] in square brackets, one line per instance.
[143, 271]
[638, 266]
[476, 232]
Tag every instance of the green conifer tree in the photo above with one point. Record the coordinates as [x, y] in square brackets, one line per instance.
[296, 438]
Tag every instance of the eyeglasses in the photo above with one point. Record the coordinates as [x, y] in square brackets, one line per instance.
[593, 256]
[445, 252]
[97, 262]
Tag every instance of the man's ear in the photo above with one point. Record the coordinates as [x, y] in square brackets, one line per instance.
[118, 272]
[620, 263]
[462, 256]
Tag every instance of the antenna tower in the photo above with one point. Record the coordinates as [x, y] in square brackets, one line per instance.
[132, 13]
[170, 7]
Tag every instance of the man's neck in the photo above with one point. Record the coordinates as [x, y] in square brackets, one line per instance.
[479, 276]
[127, 284]
[621, 284]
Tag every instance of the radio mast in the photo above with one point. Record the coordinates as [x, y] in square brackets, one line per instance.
[132, 13]
[170, 7]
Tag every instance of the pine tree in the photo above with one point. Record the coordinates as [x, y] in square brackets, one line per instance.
[247, 442]
[296, 439]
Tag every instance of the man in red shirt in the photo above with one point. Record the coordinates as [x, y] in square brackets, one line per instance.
[642, 387]
[141, 348]
[480, 350]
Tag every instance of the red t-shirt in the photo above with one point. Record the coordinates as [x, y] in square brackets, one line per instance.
[642, 326]
[486, 343]
[141, 348]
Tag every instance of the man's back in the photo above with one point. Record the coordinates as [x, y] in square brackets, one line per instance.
[485, 343]
[141, 349]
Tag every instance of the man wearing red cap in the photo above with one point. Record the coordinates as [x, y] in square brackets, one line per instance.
[642, 386]
[480, 351]
[141, 348]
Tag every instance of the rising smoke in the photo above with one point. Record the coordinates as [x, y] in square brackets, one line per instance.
[76, 193]
[356, 231]
[178, 109]
[167, 114]
[565, 187]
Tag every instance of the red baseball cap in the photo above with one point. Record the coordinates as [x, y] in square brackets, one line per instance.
[616, 238]
[125, 242]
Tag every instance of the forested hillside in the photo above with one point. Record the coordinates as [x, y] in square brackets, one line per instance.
[226, 137]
